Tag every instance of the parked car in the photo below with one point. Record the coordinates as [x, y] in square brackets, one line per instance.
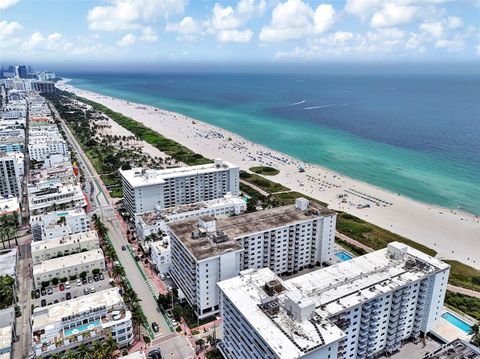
[49, 290]
[43, 291]
[79, 282]
[84, 281]
[124, 248]
[37, 293]
[101, 276]
[162, 276]
[137, 258]
[168, 275]
[90, 279]
[95, 278]
[55, 301]
[92, 289]
[61, 287]
[68, 296]
[43, 303]
[67, 285]
[86, 291]
[174, 322]
[155, 327]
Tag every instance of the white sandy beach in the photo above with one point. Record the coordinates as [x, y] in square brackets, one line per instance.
[453, 234]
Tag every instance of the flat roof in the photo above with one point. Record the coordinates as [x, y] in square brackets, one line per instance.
[8, 261]
[201, 247]
[260, 221]
[64, 241]
[51, 314]
[8, 205]
[71, 260]
[331, 290]
[5, 337]
[138, 177]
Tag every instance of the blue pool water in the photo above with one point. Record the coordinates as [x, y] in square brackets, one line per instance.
[82, 328]
[459, 323]
[343, 256]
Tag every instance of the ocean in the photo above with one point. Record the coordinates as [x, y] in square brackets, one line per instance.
[417, 135]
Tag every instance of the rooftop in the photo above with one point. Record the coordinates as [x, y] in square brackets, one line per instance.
[138, 177]
[64, 241]
[9, 205]
[8, 261]
[457, 349]
[5, 337]
[68, 261]
[322, 294]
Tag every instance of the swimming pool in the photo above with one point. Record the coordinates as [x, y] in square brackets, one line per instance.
[459, 323]
[81, 328]
[343, 256]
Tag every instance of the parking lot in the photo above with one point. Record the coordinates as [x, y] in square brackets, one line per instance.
[74, 290]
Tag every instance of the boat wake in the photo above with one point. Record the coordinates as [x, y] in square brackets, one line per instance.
[295, 103]
[322, 106]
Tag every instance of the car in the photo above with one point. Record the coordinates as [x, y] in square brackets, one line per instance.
[101, 276]
[49, 291]
[169, 288]
[174, 322]
[168, 275]
[43, 303]
[55, 301]
[86, 291]
[67, 285]
[43, 291]
[92, 289]
[124, 248]
[162, 276]
[79, 282]
[90, 279]
[61, 287]
[155, 327]
[68, 296]
[95, 278]
[84, 281]
[137, 258]
[37, 293]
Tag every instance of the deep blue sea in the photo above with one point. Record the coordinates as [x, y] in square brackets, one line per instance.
[418, 135]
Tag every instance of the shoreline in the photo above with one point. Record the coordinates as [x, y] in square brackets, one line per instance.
[452, 233]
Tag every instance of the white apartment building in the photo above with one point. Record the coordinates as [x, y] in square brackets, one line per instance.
[40, 147]
[59, 223]
[200, 258]
[154, 222]
[63, 326]
[11, 173]
[285, 239]
[10, 206]
[354, 309]
[73, 264]
[41, 197]
[160, 254]
[64, 246]
[55, 159]
[147, 190]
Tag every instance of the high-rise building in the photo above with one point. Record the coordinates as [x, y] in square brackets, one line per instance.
[148, 190]
[285, 239]
[354, 309]
[11, 173]
[22, 72]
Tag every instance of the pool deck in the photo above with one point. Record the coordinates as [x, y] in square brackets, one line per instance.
[449, 332]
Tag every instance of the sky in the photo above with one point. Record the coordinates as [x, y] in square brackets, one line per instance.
[243, 31]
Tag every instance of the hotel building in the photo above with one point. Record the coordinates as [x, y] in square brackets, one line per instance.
[354, 309]
[58, 224]
[148, 190]
[63, 326]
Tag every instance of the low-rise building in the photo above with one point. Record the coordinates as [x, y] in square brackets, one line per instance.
[160, 254]
[59, 223]
[456, 349]
[155, 222]
[46, 196]
[10, 206]
[64, 246]
[39, 147]
[63, 326]
[7, 332]
[73, 264]
[359, 308]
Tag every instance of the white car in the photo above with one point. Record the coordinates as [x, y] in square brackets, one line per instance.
[67, 285]
[79, 282]
[92, 289]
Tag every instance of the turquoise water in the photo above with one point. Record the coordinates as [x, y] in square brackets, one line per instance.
[413, 135]
[459, 323]
[343, 256]
[82, 328]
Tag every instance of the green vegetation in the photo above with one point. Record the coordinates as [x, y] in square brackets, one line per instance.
[166, 145]
[464, 303]
[8, 229]
[97, 349]
[262, 183]
[464, 276]
[186, 312]
[6, 291]
[285, 198]
[214, 354]
[265, 170]
[350, 247]
[371, 235]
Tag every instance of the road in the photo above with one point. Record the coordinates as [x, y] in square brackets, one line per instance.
[103, 206]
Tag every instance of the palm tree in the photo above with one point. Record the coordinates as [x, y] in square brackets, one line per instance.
[110, 345]
[118, 271]
[70, 355]
[83, 352]
[476, 335]
[98, 350]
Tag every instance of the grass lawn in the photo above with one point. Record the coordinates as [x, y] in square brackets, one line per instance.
[350, 247]
[285, 198]
[464, 303]
[263, 183]
[265, 170]
[371, 235]
[464, 276]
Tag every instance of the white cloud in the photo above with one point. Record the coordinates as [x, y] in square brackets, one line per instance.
[478, 49]
[5, 4]
[392, 14]
[127, 40]
[235, 35]
[361, 8]
[55, 37]
[455, 44]
[39, 42]
[186, 26]
[130, 14]
[454, 22]
[228, 18]
[148, 34]
[35, 40]
[8, 29]
[434, 28]
[294, 19]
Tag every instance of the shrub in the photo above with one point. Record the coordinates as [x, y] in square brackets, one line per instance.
[73, 277]
[83, 275]
[96, 271]
[146, 339]
[64, 279]
[45, 283]
[178, 329]
[55, 281]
